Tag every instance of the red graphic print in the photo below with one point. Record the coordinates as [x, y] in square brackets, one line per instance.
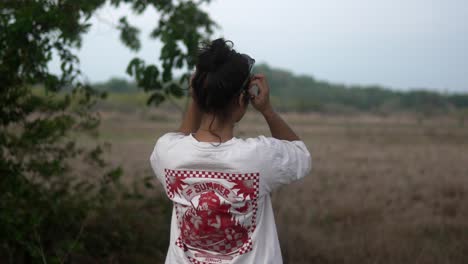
[216, 213]
[244, 208]
[176, 184]
[246, 188]
[212, 224]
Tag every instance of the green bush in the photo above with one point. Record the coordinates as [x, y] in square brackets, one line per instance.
[54, 192]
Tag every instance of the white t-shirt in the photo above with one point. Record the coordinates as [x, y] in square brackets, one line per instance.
[222, 209]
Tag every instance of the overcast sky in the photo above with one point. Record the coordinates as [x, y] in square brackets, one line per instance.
[401, 44]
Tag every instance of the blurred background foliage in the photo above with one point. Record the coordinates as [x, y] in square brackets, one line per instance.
[303, 93]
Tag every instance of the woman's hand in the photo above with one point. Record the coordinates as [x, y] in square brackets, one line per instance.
[261, 100]
[278, 127]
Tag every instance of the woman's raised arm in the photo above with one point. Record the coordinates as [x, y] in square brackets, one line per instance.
[278, 127]
[192, 116]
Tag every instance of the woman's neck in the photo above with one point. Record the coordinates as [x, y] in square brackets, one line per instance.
[212, 129]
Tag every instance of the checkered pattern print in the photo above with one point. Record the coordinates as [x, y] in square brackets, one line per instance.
[224, 248]
[179, 243]
[194, 261]
[232, 247]
[211, 174]
[169, 192]
[246, 248]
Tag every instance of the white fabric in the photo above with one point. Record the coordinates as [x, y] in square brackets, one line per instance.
[222, 209]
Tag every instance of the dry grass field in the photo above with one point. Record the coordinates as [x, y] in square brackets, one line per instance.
[382, 190]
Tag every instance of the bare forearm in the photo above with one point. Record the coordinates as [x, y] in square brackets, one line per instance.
[278, 127]
[191, 120]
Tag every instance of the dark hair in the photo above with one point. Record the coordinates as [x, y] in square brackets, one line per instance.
[221, 72]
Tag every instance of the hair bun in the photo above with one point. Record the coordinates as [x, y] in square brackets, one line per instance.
[213, 54]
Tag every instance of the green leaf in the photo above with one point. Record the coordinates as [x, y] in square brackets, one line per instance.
[176, 90]
[129, 34]
[135, 66]
[156, 98]
[115, 174]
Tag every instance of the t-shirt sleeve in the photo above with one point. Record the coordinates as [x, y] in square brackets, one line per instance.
[287, 161]
[158, 159]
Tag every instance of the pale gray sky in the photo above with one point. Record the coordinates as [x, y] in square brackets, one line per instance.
[401, 44]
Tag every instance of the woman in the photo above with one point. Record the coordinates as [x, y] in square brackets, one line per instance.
[220, 184]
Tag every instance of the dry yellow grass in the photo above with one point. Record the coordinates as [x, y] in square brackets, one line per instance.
[382, 190]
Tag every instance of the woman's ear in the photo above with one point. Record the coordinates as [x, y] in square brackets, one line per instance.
[240, 107]
[242, 102]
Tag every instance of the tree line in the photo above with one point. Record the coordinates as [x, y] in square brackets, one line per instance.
[305, 94]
